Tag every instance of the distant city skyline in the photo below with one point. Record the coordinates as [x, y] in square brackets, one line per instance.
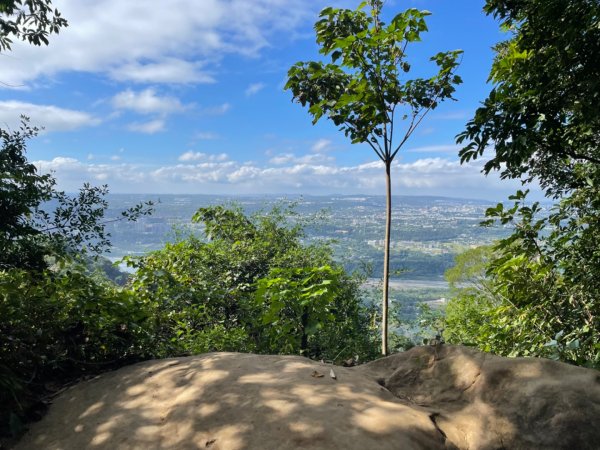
[187, 97]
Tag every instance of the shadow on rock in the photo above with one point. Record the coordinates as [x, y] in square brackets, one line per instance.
[426, 398]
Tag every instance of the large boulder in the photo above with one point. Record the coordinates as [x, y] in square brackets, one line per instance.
[426, 398]
[482, 401]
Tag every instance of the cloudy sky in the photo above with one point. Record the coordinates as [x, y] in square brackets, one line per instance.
[186, 96]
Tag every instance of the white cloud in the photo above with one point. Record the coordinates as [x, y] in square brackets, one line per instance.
[205, 173]
[254, 88]
[321, 145]
[201, 173]
[151, 127]
[156, 41]
[197, 156]
[59, 162]
[283, 158]
[290, 158]
[146, 102]
[52, 118]
[167, 70]
[115, 158]
[451, 148]
[72, 173]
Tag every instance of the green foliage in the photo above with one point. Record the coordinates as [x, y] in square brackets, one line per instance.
[431, 322]
[414, 319]
[471, 311]
[21, 192]
[313, 311]
[37, 221]
[57, 321]
[362, 88]
[399, 342]
[56, 325]
[527, 298]
[104, 268]
[544, 121]
[472, 302]
[190, 290]
[215, 338]
[543, 113]
[29, 20]
[252, 286]
[554, 275]
[295, 304]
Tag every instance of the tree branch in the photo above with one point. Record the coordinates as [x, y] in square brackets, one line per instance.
[379, 154]
[587, 158]
[65, 226]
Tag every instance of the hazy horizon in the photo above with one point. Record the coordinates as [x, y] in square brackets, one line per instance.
[535, 196]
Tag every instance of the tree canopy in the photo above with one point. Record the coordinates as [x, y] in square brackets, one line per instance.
[252, 287]
[28, 20]
[541, 123]
[365, 86]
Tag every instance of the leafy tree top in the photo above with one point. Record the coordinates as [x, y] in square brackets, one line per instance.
[364, 87]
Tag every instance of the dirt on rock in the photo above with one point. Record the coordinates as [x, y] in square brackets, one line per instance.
[441, 397]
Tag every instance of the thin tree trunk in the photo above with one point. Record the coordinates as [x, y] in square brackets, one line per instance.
[386, 260]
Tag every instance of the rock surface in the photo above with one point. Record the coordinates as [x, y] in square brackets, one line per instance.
[427, 398]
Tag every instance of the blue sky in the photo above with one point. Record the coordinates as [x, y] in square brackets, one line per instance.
[187, 97]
